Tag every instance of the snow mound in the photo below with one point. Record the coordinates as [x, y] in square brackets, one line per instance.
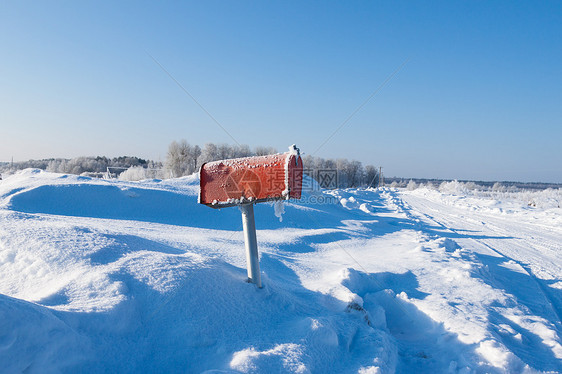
[34, 340]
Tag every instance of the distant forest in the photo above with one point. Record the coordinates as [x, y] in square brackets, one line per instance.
[184, 159]
[91, 166]
[413, 183]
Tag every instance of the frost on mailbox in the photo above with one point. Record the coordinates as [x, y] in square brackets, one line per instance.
[251, 179]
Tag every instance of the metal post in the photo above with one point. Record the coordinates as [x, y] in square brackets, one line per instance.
[251, 242]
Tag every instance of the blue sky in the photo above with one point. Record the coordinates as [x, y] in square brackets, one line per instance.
[480, 95]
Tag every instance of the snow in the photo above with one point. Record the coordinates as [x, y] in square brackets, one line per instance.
[279, 209]
[117, 276]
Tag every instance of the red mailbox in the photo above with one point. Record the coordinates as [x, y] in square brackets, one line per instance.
[251, 179]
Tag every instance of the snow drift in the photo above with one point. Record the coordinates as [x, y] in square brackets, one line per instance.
[115, 276]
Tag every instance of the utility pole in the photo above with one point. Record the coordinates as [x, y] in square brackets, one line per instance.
[381, 177]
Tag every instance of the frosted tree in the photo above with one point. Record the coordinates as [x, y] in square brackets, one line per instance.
[214, 152]
[208, 153]
[134, 173]
[342, 165]
[371, 176]
[263, 151]
[354, 170]
[182, 158]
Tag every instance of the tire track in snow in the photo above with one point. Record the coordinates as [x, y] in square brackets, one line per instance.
[408, 210]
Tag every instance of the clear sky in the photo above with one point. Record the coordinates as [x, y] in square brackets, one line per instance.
[479, 94]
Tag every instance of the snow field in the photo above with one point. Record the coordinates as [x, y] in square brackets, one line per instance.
[113, 276]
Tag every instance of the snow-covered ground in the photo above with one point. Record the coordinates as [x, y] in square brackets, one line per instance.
[128, 277]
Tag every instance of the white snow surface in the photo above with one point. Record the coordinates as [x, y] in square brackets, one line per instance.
[128, 277]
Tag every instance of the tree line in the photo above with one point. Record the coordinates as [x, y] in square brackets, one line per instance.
[81, 165]
[183, 159]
